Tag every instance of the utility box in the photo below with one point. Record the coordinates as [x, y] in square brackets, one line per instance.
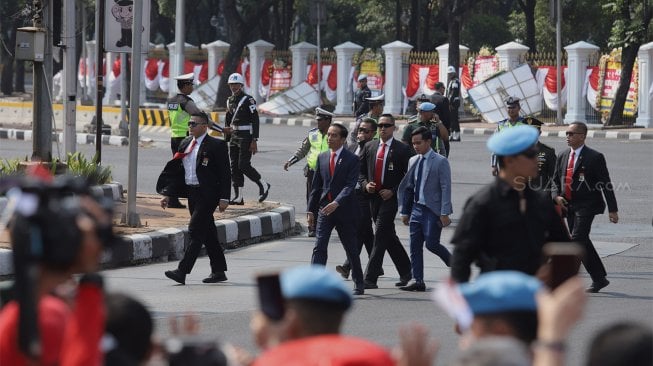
[30, 44]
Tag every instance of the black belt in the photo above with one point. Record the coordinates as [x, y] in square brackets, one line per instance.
[193, 185]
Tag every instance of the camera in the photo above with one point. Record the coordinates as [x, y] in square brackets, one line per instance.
[43, 219]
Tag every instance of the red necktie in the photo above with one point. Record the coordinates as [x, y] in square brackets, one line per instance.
[378, 168]
[181, 155]
[569, 175]
[332, 168]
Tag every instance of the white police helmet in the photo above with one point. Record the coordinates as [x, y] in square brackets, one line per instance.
[235, 78]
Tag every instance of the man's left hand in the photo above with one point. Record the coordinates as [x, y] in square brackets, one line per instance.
[253, 147]
[328, 209]
[614, 217]
[446, 221]
[223, 205]
[386, 194]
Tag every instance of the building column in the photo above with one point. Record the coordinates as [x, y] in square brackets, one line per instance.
[216, 51]
[577, 62]
[443, 57]
[645, 95]
[509, 55]
[393, 75]
[344, 93]
[257, 52]
[300, 53]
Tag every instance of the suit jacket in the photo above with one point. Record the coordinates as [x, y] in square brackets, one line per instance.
[590, 182]
[437, 183]
[213, 171]
[396, 164]
[341, 185]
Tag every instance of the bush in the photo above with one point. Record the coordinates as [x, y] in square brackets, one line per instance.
[78, 165]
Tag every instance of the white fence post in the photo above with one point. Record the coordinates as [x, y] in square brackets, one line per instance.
[344, 95]
[257, 52]
[577, 62]
[300, 53]
[393, 80]
[645, 96]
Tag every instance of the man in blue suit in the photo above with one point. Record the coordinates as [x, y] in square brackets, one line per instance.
[333, 197]
[426, 204]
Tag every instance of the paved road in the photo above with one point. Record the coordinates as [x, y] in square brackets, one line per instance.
[224, 309]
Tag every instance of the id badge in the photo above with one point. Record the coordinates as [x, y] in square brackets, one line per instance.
[391, 166]
[205, 161]
[581, 177]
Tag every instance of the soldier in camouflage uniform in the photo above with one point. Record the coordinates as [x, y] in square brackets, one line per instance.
[241, 128]
[428, 118]
[514, 119]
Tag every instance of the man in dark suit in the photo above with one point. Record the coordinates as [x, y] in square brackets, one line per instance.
[199, 171]
[582, 180]
[365, 232]
[333, 194]
[383, 165]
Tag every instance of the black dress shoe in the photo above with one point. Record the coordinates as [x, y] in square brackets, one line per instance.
[359, 291]
[344, 272]
[177, 276]
[238, 203]
[174, 203]
[264, 194]
[371, 285]
[415, 286]
[215, 277]
[598, 285]
[403, 280]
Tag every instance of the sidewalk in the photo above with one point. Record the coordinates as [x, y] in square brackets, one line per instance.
[164, 233]
[470, 127]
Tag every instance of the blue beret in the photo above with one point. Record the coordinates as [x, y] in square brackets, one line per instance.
[513, 140]
[426, 107]
[501, 291]
[315, 282]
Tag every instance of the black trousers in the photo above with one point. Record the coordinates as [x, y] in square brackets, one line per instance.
[241, 159]
[365, 234]
[309, 187]
[385, 238]
[579, 227]
[453, 119]
[345, 225]
[202, 231]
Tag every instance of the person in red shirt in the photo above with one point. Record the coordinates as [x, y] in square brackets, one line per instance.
[316, 301]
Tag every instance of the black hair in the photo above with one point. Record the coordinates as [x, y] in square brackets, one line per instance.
[523, 323]
[388, 115]
[343, 129]
[318, 317]
[580, 125]
[422, 131]
[439, 85]
[622, 344]
[203, 115]
[371, 121]
[131, 325]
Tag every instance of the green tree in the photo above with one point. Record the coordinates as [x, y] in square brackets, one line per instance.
[629, 31]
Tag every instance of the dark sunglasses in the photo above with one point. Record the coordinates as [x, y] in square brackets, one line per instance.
[573, 133]
[530, 153]
[194, 123]
[385, 125]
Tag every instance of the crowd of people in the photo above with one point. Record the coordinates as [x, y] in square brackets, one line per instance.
[519, 310]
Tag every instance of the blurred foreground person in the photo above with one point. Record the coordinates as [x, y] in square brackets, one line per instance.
[57, 228]
[505, 225]
[316, 301]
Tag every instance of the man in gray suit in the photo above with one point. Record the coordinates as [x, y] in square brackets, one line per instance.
[426, 213]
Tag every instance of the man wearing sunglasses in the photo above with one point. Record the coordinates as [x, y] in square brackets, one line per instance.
[199, 171]
[384, 163]
[582, 180]
[514, 119]
[506, 223]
